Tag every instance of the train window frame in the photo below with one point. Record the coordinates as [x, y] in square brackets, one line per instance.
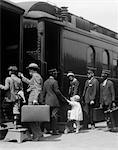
[91, 59]
[105, 59]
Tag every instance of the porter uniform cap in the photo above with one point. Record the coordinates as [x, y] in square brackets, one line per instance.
[52, 70]
[107, 72]
[91, 69]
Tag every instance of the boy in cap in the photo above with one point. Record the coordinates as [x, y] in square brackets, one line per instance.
[34, 88]
[74, 84]
[90, 95]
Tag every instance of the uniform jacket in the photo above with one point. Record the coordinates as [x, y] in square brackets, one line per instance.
[51, 92]
[73, 88]
[107, 94]
[91, 88]
[34, 86]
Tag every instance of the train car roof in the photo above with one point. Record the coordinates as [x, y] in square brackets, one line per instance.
[11, 6]
[36, 10]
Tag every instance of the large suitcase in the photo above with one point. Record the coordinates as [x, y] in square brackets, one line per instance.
[33, 113]
[98, 115]
[112, 119]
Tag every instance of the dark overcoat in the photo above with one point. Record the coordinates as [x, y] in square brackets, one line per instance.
[91, 90]
[107, 93]
[51, 92]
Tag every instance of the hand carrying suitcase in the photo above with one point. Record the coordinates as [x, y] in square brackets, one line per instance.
[34, 113]
[112, 117]
[98, 114]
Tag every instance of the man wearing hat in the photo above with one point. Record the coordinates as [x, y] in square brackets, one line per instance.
[90, 95]
[34, 88]
[52, 96]
[107, 93]
[74, 84]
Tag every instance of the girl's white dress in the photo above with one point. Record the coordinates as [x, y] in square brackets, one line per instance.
[76, 111]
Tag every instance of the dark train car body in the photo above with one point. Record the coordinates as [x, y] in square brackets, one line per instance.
[11, 17]
[54, 38]
[57, 39]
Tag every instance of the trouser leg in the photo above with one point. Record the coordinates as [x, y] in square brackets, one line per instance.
[85, 116]
[35, 129]
[77, 126]
[91, 115]
[54, 119]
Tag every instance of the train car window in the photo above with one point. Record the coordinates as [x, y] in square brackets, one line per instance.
[115, 65]
[105, 59]
[91, 56]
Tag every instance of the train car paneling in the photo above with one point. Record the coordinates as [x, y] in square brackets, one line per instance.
[74, 49]
[90, 39]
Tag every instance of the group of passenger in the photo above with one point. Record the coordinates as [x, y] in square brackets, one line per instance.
[48, 93]
[93, 93]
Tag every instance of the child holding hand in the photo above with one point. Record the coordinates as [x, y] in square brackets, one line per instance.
[75, 115]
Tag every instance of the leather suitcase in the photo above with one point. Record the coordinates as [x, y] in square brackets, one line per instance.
[98, 115]
[34, 113]
[112, 116]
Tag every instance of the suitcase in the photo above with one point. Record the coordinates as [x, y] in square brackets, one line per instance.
[112, 119]
[98, 115]
[34, 113]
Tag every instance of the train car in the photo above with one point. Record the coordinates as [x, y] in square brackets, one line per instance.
[11, 17]
[55, 38]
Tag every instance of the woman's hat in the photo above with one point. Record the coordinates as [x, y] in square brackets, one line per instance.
[70, 74]
[33, 65]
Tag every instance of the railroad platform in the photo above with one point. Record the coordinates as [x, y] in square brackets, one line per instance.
[98, 139]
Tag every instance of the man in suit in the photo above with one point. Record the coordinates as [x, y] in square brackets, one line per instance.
[107, 93]
[90, 95]
[74, 84]
[51, 95]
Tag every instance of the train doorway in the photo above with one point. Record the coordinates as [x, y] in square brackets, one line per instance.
[52, 45]
[10, 47]
[10, 35]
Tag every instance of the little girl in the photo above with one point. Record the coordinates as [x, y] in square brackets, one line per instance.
[75, 115]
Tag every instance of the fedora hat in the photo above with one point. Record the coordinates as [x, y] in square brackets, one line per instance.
[33, 65]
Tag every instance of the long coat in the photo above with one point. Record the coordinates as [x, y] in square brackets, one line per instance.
[51, 92]
[107, 94]
[91, 89]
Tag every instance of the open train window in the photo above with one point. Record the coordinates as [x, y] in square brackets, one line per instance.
[105, 59]
[91, 56]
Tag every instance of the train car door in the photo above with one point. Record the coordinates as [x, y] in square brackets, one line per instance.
[52, 45]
